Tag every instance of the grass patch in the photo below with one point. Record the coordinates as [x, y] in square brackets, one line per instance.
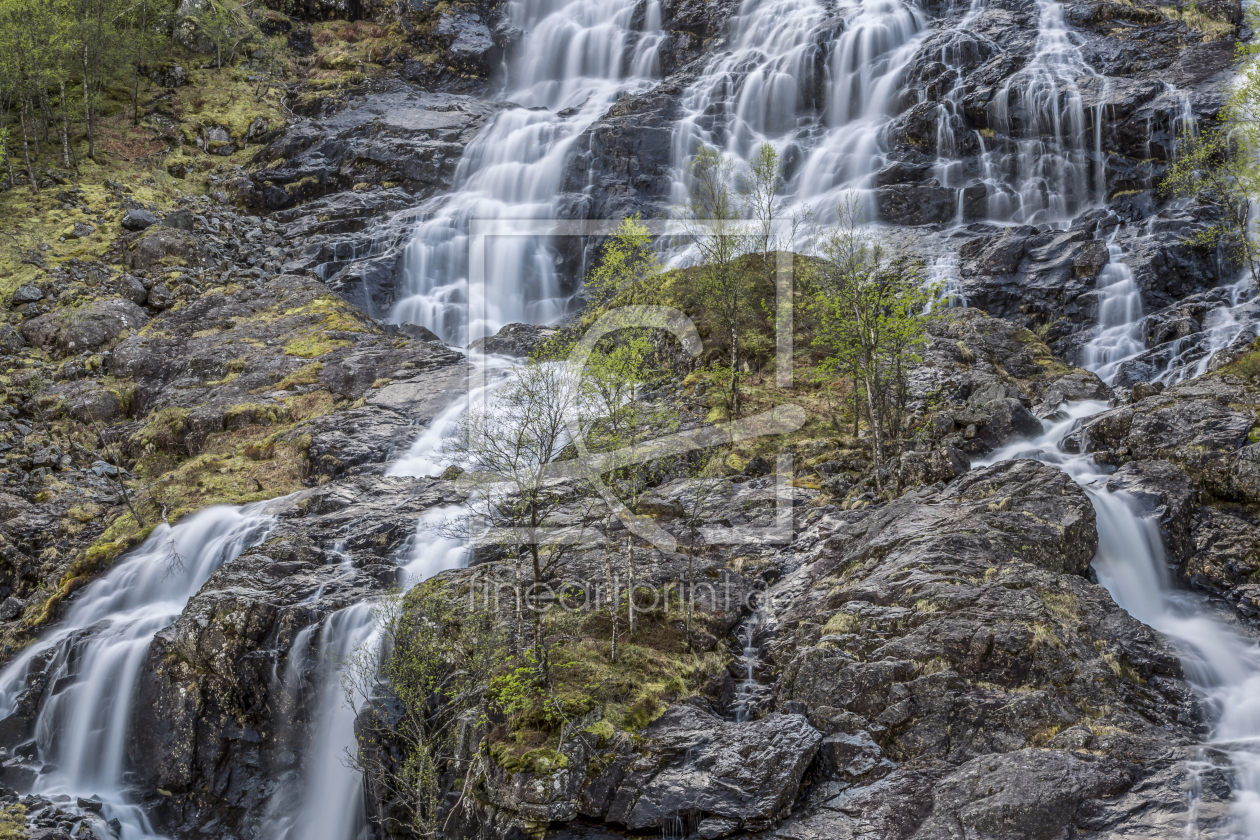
[1061, 605]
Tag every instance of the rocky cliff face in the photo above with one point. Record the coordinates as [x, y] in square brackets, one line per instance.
[937, 665]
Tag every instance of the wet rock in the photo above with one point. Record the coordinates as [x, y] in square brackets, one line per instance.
[208, 696]
[943, 464]
[138, 219]
[418, 332]
[921, 670]
[695, 762]
[622, 164]
[1164, 492]
[469, 42]
[1024, 272]
[517, 340]
[87, 328]
[399, 136]
[26, 293]
[1199, 426]
[1052, 790]
[1079, 385]
[916, 204]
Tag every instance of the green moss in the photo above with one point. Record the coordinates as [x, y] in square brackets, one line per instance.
[312, 346]
[305, 375]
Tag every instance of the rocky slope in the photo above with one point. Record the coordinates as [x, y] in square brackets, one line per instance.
[934, 665]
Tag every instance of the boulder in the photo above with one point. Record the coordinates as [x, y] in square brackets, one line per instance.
[137, 218]
[129, 286]
[944, 464]
[87, 328]
[693, 762]
[11, 340]
[26, 293]
[517, 340]
[161, 245]
[169, 76]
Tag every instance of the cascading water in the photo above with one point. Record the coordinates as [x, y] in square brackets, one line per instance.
[329, 805]
[94, 657]
[1119, 335]
[1054, 166]
[575, 59]
[1222, 328]
[1220, 663]
[330, 799]
[748, 692]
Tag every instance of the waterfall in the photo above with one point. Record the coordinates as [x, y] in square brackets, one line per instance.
[1119, 335]
[328, 790]
[95, 655]
[749, 692]
[1056, 166]
[575, 59]
[1190, 356]
[1221, 664]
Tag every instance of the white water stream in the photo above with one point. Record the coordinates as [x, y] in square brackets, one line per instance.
[820, 81]
[1221, 663]
[99, 648]
[576, 58]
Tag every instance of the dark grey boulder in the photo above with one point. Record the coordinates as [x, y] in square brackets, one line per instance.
[695, 762]
[137, 218]
[87, 328]
[518, 340]
[129, 286]
[26, 293]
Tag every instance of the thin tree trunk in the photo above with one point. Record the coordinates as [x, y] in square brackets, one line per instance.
[26, 149]
[691, 586]
[65, 128]
[630, 582]
[615, 606]
[8, 160]
[520, 617]
[879, 451]
[87, 105]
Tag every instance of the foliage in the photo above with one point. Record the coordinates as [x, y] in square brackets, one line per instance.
[441, 648]
[627, 264]
[13, 822]
[506, 445]
[720, 236]
[1220, 166]
[871, 307]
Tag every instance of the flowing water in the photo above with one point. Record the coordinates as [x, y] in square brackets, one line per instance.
[575, 59]
[824, 83]
[1221, 663]
[95, 655]
[1119, 336]
[329, 801]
